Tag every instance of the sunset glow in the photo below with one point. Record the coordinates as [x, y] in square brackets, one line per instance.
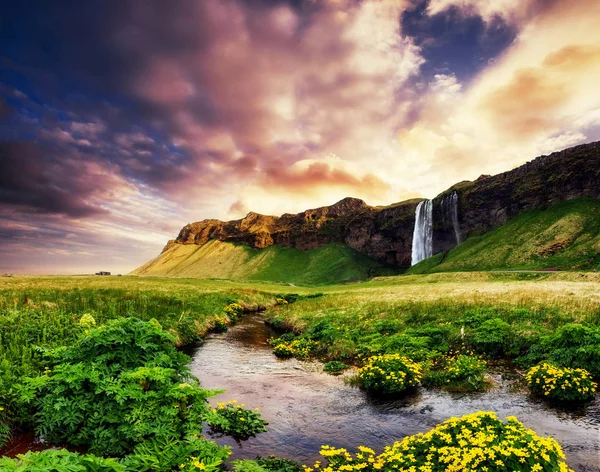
[122, 123]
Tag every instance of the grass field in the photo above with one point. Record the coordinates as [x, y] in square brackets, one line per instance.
[45, 310]
[565, 236]
[333, 263]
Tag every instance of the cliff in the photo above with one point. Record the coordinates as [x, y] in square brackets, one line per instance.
[385, 233]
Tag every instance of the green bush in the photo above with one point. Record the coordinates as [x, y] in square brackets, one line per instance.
[572, 345]
[4, 428]
[335, 366]
[267, 464]
[323, 331]
[166, 454]
[247, 466]
[562, 384]
[121, 384]
[415, 347]
[491, 337]
[461, 372]
[389, 373]
[236, 421]
[59, 461]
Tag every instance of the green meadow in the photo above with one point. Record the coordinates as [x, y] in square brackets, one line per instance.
[521, 317]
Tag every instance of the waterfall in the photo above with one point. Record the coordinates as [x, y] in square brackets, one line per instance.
[454, 215]
[422, 245]
[449, 206]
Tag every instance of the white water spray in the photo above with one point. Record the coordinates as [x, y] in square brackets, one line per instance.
[422, 246]
[454, 215]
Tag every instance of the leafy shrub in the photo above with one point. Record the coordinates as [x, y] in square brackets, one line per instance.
[4, 428]
[389, 373]
[415, 347]
[436, 336]
[121, 384]
[267, 464]
[300, 348]
[335, 366]
[247, 466]
[572, 345]
[164, 455]
[478, 442]
[234, 420]
[386, 327]
[167, 454]
[322, 330]
[59, 461]
[491, 337]
[461, 372]
[561, 384]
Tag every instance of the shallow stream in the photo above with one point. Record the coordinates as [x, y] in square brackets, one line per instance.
[306, 408]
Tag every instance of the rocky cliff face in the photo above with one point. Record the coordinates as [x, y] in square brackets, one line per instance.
[492, 200]
[385, 233]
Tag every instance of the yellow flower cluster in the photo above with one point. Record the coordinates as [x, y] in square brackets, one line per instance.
[479, 442]
[389, 373]
[562, 384]
[300, 348]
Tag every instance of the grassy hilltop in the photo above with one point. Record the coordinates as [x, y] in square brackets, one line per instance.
[333, 263]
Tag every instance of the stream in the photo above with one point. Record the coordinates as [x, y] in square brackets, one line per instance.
[306, 408]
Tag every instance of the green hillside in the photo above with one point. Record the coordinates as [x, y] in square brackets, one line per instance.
[333, 263]
[565, 236]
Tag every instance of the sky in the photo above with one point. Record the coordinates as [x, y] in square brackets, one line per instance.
[122, 121]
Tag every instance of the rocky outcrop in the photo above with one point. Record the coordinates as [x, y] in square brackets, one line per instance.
[385, 233]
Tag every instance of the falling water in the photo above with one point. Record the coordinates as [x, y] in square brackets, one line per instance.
[422, 246]
[449, 206]
[454, 215]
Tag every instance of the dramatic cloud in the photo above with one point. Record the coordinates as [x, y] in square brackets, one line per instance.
[133, 121]
[28, 180]
[539, 97]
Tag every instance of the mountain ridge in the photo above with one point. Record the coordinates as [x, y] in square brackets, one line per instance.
[385, 233]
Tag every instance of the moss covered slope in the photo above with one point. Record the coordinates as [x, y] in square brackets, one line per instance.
[564, 236]
[332, 263]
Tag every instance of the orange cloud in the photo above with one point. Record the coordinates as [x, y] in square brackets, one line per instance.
[530, 102]
[323, 175]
